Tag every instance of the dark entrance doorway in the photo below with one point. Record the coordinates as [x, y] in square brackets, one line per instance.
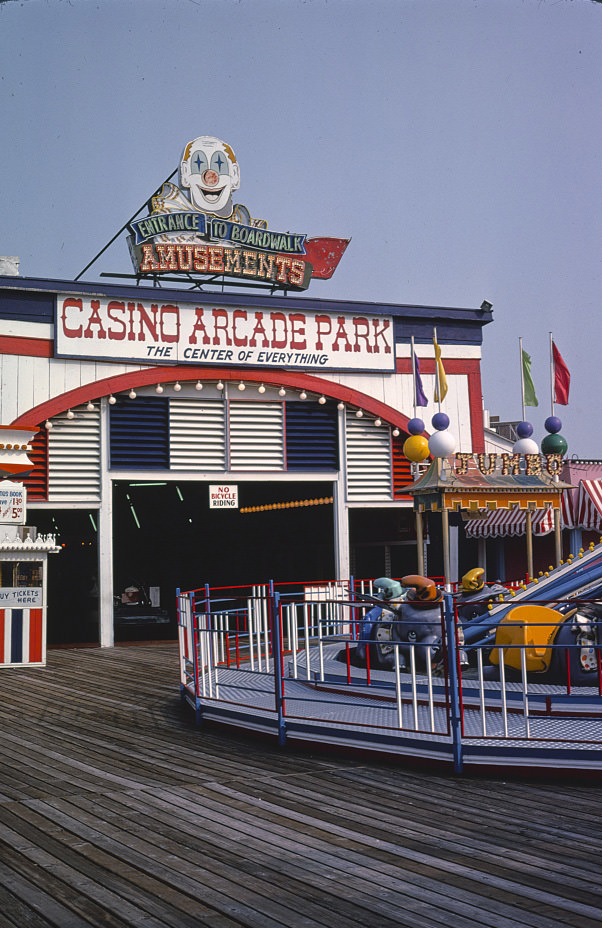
[165, 536]
[72, 593]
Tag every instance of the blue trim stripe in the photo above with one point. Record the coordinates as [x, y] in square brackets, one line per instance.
[16, 636]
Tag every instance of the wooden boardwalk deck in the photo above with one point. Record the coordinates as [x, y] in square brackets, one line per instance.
[116, 810]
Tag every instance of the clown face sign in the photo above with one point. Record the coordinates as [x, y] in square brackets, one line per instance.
[197, 229]
[210, 172]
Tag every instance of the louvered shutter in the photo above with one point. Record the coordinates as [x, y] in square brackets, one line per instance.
[74, 456]
[402, 467]
[311, 436]
[36, 482]
[256, 436]
[368, 453]
[197, 435]
[140, 433]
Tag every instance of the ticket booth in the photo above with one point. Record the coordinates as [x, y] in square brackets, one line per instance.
[23, 563]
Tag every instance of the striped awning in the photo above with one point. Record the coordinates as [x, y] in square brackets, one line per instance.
[589, 505]
[503, 522]
[568, 505]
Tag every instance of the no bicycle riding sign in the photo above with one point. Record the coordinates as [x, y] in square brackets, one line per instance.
[196, 228]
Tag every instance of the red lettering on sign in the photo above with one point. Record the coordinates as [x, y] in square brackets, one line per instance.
[71, 304]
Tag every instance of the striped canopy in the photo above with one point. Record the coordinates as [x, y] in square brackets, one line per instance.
[502, 522]
[580, 508]
[589, 505]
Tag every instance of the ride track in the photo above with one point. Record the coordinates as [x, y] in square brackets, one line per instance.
[281, 670]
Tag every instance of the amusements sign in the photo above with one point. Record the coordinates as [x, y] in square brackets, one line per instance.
[171, 333]
[195, 228]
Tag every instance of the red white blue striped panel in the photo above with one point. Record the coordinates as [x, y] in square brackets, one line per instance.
[21, 633]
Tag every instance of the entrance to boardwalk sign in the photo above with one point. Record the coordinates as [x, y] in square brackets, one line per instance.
[509, 680]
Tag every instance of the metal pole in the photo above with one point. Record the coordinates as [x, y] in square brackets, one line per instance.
[454, 682]
[413, 374]
[552, 373]
[437, 378]
[276, 654]
[420, 544]
[528, 530]
[124, 227]
[522, 376]
[445, 529]
[557, 537]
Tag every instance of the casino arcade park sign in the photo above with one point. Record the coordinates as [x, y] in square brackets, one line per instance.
[189, 333]
[197, 229]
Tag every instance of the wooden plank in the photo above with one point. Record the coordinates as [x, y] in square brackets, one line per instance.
[116, 810]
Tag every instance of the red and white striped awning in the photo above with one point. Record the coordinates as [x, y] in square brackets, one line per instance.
[503, 522]
[568, 504]
[589, 505]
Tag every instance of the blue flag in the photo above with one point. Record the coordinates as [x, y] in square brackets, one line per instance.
[421, 399]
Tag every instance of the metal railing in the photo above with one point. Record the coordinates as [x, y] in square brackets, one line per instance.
[290, 657]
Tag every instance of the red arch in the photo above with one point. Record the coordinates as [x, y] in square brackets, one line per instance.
[35, 416]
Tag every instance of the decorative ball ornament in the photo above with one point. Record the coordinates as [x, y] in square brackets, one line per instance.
[322, 400]
[242, 386]
[177, 386]
[112, 400]
[132, 394]
[219, 385]
[378, 423]
[199, 385]
[90, 406]
[303, 395]
[552, 424]
[341, 405]
[525, 446]
[359, 414]
[442, 443]
[415, 426]
[395, 433]
[281, 392]
[261, 388]
[524, 430]
[554, 444]
[440, 421]
[70, 414]
[159, 388]
[416, 448]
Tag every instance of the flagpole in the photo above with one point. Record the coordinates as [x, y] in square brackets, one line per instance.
[522, 376]
[413, 375]
[437, 378]
[552, 378]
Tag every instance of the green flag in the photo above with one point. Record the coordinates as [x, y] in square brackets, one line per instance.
[529, 398]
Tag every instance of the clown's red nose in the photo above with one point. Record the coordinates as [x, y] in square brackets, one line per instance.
[210, 178]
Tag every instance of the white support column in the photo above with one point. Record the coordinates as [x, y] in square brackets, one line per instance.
[341, 532]
[453, 553]
[342, 552]
[105, 536]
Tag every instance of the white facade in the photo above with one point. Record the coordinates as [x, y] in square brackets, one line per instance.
[221, 432]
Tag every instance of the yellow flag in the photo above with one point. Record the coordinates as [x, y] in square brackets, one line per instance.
[440, 379]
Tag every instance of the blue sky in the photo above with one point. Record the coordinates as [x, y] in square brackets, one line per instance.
[457, 142]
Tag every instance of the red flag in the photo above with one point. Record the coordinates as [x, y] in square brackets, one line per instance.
[562, 378]
[325, 254]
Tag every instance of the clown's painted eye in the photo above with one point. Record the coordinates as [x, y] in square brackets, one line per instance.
[198, 163]
[219, 162]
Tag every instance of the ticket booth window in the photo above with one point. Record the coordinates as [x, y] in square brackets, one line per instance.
[21, 573]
